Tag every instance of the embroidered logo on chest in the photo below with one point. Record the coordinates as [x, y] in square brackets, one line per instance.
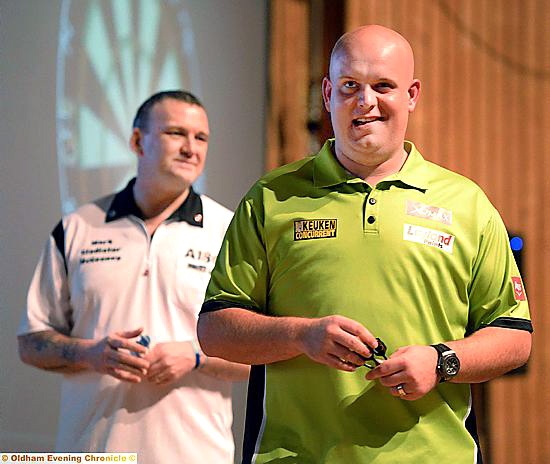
[421, 210]
[100, 251]
[309, 229]
[430, 237]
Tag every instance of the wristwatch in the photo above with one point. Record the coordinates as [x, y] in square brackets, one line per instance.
[448, 363]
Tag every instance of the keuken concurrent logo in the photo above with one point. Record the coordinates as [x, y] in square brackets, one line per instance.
[309, 229]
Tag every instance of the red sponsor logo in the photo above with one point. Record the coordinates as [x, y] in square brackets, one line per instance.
[519, 292]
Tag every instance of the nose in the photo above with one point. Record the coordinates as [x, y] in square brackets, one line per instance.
[187, 146]
[367, 97]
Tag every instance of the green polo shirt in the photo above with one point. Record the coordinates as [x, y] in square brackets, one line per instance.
[422, 257]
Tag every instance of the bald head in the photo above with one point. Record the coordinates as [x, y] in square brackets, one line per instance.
[377, 40]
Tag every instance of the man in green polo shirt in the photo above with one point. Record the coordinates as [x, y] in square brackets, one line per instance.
[364, 247]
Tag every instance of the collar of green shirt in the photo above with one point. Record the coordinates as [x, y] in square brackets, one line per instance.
[328, 171]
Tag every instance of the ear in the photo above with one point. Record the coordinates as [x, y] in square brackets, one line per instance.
[135, 142]
[326, 89]
[414, 94]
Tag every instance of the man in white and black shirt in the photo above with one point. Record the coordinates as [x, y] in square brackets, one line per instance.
[130, 264]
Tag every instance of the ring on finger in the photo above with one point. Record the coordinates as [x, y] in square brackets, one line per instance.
[400, 389]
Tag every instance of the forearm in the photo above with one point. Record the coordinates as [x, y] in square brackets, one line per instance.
[490, 352]
[53, 351]
[246, 337]
[484, 355]
[224, 370]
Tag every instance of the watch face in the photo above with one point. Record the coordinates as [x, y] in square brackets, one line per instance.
[451, 365]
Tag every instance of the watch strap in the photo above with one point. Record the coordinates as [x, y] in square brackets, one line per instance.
[442, 349]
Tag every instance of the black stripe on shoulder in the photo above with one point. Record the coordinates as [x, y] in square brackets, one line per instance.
[512, 323]
[215, 305]
[254, 412]
[58, 235]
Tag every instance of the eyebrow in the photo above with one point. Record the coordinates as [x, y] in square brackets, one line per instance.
[180, 128]
[347, 77]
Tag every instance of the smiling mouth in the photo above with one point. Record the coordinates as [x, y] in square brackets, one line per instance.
[184, 161]
[363, 121]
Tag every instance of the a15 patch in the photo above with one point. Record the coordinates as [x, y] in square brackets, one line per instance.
[309, 229]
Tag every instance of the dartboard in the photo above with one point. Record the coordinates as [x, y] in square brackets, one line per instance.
[111, 56]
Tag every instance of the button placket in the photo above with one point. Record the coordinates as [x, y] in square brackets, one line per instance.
[371, 216]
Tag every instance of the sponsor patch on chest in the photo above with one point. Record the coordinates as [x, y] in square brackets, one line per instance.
[430, 237]
[435, 213]
[199, 260]
[309, 229]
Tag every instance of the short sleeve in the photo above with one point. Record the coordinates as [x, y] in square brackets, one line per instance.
[497, 294]
[48, 301]
[240, 275]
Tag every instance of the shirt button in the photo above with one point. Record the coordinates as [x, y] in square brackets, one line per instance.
[372, 201]
[371, 219]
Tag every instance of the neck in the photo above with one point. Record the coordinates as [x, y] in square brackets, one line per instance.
[372, 174]
[157, 202]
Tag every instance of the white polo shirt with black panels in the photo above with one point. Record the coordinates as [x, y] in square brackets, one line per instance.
[101, 273]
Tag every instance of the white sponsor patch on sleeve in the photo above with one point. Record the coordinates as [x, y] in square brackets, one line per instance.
[430, 237]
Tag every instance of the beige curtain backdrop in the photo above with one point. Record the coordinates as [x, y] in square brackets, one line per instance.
[485, 70]
[286, 135]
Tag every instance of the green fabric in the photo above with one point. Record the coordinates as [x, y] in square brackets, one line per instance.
[434, 265]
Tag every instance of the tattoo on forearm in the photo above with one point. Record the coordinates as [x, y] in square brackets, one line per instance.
[50, 346]
[69, 352]
[39, 342]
